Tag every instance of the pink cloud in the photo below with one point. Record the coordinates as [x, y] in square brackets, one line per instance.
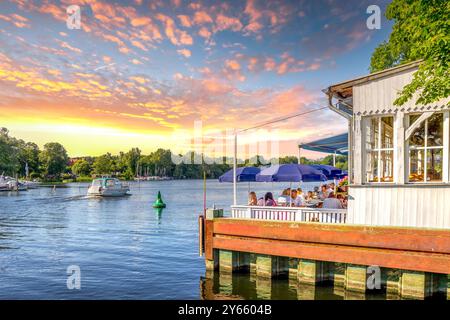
[185, 21]
[223, 23]
[201, 17]
[204, 32]
[176, 36]
[185, 52]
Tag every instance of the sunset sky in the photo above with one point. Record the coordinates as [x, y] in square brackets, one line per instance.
[140, 73]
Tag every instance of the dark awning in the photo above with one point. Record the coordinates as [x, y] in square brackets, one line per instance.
[337, 144]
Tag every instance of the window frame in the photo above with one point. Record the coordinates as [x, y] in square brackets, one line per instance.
[379, 148]
[426, 148]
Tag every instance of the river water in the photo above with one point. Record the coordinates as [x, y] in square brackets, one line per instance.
[123, 248]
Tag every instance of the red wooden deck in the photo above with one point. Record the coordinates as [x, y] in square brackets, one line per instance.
[416, 249]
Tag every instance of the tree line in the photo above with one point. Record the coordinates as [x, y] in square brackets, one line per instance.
[52, 163]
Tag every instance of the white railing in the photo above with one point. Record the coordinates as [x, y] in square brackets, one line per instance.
[289, 214]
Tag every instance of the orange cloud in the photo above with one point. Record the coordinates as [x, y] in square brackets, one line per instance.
[223, 23]
[15, 19]
[204, 32]
[185, 21]
[201, 17]
[184, 52]
[176, 36]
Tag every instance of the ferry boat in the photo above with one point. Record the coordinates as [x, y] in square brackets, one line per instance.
[108, 187]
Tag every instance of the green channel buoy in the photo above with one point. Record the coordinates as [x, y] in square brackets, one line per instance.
[159, 204]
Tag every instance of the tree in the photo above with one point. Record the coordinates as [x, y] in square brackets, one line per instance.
[162, 160]
[104, 164]
[81, 168]
[53, 159]
[28, 154]
[420, 32]
[131, 159]
[9, 163]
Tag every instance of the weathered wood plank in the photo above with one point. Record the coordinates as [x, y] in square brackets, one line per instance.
[397, 259]
[411, 239]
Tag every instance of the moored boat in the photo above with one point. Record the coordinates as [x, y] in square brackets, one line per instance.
[108, 187]
[31, 184]
[11, 184]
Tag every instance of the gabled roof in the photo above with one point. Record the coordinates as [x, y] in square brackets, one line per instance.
[345, 89]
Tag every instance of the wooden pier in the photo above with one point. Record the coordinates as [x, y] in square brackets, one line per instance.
[413, 263]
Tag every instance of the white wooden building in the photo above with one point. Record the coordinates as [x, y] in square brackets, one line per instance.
[398, 155]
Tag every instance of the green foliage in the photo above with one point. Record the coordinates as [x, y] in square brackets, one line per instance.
[8, 155]
[288, 159]
[52, 162]
[104, 164]
[53, 159]
[421, 31]
[81, 168]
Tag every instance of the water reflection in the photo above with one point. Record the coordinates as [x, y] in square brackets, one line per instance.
[158, 212]
[226, 286]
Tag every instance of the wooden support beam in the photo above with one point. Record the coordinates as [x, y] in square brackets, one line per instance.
[424, 116]
[399, 238]
[398, 259]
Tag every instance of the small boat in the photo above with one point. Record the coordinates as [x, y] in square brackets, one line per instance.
[15, 185]
[108, 187]
[31, 184]
[11, 184]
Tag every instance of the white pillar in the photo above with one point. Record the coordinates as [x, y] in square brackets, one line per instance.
[334, 159]
[399, 148]
[359, 153]
[299, 155]
[446, 151]
[234, 170]
[350, 153]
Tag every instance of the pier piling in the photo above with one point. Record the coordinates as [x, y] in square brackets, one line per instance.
[416, 285]
[356, 278]
[312, 272]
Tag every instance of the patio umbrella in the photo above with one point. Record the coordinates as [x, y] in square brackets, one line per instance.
[290, 173]
[243, 174]
[329, 171]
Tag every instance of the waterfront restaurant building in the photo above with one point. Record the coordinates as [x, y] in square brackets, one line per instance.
[398, 216]
[399, 166]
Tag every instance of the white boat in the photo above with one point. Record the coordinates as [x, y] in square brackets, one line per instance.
[15, 185]
[108, 187]
[11, 184]
[31, 184]
[4, 186]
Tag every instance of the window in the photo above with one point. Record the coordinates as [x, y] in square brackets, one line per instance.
[426, 149]
[379, 149]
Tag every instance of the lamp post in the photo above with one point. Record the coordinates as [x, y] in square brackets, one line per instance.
[234, 170]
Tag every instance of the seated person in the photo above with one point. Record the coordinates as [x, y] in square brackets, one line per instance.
[316, 192]
[252, 199]
[331, 187]
[260, 202]
[301, 194]
[324, 193]
[332, 202]
[284, 198]
[295, 200]
[282, 201]
[269, 202]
